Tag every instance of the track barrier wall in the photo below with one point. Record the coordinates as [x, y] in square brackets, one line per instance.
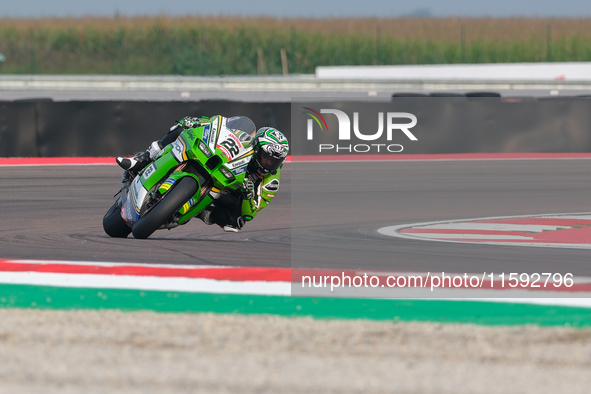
[43, 128]
[110, 128]
[443, 125]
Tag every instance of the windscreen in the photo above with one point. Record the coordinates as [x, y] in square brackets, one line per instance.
[241, 123]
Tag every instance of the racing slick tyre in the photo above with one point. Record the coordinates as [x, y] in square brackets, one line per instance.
[113, 223]
[172, 202]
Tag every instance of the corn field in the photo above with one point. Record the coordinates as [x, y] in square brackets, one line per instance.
[250, 46]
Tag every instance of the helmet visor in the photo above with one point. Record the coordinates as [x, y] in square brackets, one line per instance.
[268, 159]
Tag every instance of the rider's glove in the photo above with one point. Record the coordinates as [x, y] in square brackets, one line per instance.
[248, 188]
[189, 122]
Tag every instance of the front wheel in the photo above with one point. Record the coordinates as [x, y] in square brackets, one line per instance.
[113, 223]
[172, 202]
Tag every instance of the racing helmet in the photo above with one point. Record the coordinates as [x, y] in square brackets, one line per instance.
[270, 150]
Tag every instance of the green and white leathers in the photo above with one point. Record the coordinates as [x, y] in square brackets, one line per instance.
[270, 149]
[187, 176]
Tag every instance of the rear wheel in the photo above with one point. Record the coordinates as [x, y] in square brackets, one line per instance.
[172, 202]
[113, 223]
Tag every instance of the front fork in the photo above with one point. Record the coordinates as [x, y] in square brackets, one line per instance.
[126, 180]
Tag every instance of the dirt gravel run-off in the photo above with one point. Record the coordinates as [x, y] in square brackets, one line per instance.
[45, 351]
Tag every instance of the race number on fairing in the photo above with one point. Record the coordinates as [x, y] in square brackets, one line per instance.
[230, 146]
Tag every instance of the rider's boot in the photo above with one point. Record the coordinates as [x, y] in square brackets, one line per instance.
[234, 228]
[205, 216]
[141, 159]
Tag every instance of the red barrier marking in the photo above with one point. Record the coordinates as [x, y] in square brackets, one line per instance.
[55, 161]
[242, 274]
[541, 221]
[566, 236]
[60, 161]
[569, 231]
[413, 230]
[233, 274]
[444, 156]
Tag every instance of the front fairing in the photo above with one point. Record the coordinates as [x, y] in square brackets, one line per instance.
[134, 199]
[232, 147]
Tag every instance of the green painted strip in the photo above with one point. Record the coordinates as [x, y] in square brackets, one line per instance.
[488, 313]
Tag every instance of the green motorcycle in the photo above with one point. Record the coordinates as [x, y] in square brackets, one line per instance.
[184, 179]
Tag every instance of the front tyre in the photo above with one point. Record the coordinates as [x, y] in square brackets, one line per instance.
[172, 202]
[113, 223]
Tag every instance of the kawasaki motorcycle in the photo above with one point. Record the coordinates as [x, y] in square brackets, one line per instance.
[184, 179]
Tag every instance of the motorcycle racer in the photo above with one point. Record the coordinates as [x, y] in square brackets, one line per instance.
[231, 209]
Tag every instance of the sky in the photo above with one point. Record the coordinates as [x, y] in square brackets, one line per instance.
[298, 8]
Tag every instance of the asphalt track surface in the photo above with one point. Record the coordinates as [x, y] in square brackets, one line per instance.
[55, 212]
